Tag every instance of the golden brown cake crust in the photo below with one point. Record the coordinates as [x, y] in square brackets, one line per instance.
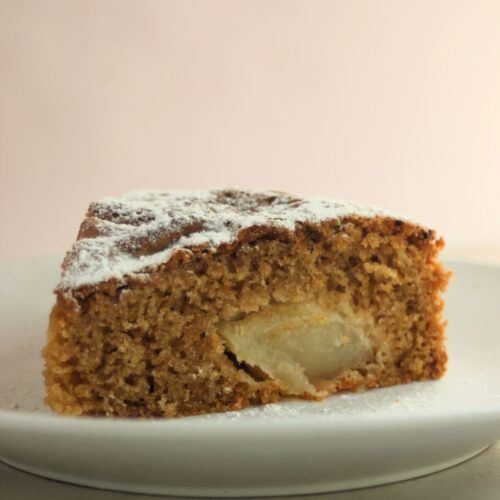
[147, 344]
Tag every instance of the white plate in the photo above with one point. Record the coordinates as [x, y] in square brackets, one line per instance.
[347, 441]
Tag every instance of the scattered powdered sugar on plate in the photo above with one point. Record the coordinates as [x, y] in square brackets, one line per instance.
[142, 229]
[445, 397]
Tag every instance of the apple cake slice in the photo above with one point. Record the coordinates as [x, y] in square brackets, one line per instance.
[177, 303]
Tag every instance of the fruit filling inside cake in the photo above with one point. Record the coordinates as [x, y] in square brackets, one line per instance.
[301, 346]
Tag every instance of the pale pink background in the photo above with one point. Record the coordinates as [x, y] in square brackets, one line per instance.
[391, 102]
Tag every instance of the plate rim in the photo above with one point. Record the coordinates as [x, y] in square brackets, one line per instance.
[278, 491]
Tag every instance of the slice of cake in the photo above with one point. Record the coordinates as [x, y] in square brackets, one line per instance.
[178, 303]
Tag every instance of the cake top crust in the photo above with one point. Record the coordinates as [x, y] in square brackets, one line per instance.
[137, 232]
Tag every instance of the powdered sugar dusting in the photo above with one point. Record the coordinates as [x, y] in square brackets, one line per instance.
[142, 229]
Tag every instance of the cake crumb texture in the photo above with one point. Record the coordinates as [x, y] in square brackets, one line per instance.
[148, 342]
